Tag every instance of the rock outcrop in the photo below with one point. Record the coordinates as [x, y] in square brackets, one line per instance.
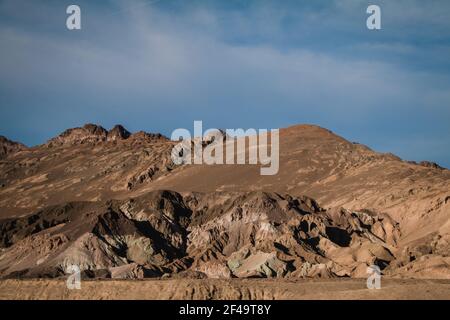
[118, 133]
[8, 147]
[219, 235]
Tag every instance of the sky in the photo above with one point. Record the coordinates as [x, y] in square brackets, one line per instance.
[159, 65]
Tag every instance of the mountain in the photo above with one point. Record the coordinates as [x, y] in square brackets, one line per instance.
[113, 203]
[8, 147]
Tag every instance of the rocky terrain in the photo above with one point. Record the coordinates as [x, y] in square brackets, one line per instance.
[113, 203]
[7, 146]
[222, 289]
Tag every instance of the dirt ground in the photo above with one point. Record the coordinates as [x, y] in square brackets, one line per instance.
[226, 289]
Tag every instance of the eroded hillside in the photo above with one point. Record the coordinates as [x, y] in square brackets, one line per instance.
[92, 197]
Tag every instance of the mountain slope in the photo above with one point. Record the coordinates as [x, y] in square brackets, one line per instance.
[91, 166]
[326, 167]
[8, 147]
[218, 235]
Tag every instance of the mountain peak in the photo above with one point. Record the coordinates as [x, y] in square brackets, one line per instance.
[8, 146]
[89, 133]
[118, 133]
[145, 136]
[308, 130]
[93, 133]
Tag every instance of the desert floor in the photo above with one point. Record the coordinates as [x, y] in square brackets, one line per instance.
[226, 289]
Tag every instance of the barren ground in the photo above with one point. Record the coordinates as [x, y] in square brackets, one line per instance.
[226, 289]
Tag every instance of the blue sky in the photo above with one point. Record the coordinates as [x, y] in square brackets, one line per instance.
[160, 65]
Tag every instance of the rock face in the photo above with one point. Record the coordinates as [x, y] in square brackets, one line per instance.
[8, 147]
[220, 235]
[429, 164]
[118, 133]
[82, 164]
[114, 204]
